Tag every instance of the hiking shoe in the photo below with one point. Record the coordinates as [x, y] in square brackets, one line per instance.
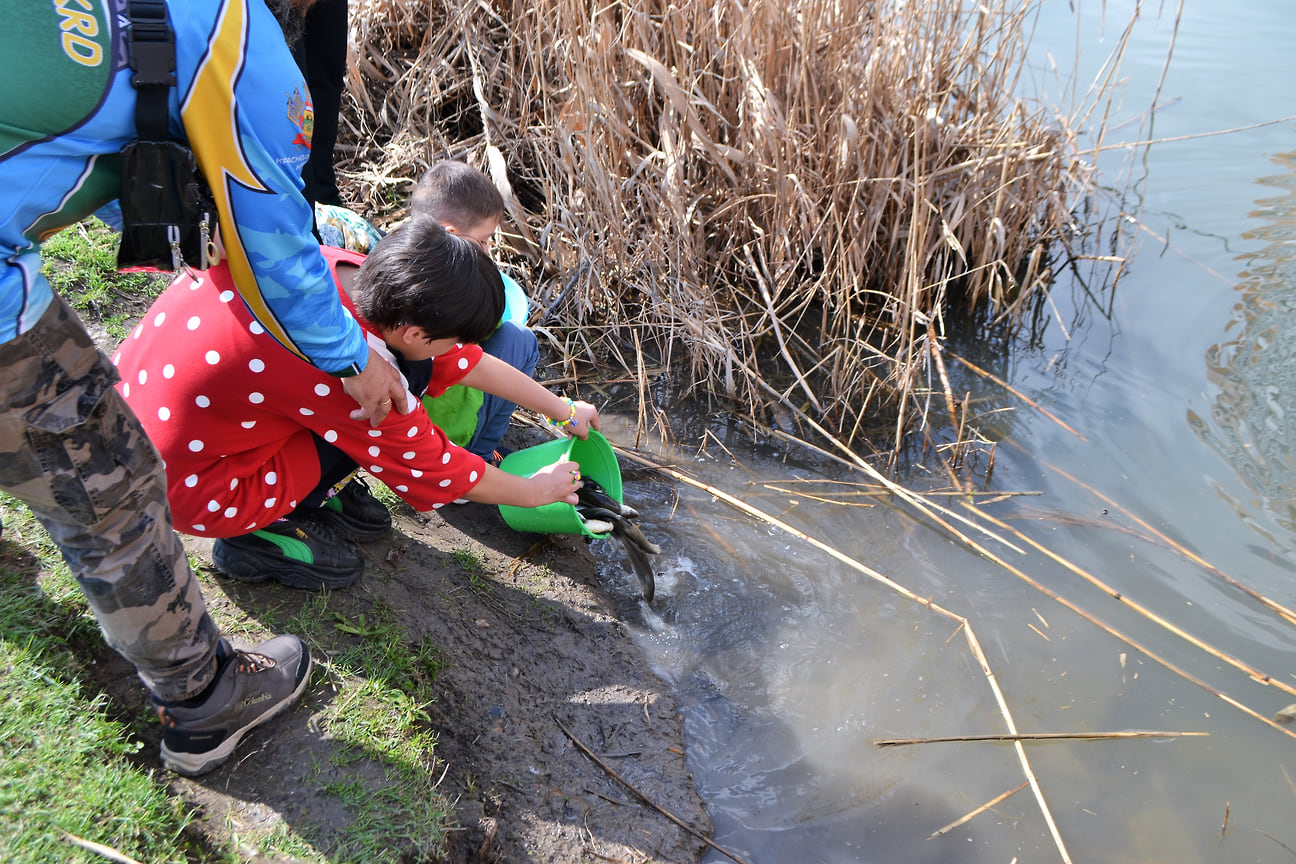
[301, 551]
[497, 455]
[356, 513]
[250, 687]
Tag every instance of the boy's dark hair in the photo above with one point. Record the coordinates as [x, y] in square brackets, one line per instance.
[456, 193]
[423, 275]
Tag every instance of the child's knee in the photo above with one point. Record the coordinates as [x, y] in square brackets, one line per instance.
[516, 346]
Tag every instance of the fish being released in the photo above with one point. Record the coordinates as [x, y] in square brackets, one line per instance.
[603, 514]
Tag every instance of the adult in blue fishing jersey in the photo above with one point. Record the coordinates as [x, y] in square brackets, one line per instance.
[69, 446]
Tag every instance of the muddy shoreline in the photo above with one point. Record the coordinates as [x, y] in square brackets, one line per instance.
[539, 666]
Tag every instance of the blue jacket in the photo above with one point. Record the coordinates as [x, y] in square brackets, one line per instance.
[67, 108]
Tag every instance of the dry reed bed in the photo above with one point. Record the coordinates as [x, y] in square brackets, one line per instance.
[787, 196]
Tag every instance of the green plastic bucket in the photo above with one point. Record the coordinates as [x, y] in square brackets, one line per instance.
[596, 460]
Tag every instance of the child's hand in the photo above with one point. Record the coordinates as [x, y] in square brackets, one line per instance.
[556, 482]
[586, 417]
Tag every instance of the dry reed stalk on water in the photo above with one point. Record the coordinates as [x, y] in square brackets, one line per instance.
[1251, 672]
[998, 799]
[830, 177]
[1039, 736]
[1132, 642]
[1006, 386]
[1153, 535]
[928, 508]
[911, 498]
[1147, 142]
[871, 490]
[1285, 612]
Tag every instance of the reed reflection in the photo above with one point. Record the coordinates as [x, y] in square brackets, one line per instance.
[1253, 419]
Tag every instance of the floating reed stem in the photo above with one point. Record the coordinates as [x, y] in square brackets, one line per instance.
[1147, 142]
[1251, 671]
[1251, 712]
[990, 376]
[976, 547]
[1039, 736]
[1286, 613]
[930, 509]
[998, 799]
[868, 490]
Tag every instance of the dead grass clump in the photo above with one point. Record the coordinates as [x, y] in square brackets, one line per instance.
[789, 195]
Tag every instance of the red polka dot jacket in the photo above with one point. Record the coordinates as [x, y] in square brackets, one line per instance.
[232, 412]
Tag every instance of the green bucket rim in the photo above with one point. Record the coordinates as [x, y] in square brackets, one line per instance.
[596, 459]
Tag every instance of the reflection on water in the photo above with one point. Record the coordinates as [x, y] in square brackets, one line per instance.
[1253, 419]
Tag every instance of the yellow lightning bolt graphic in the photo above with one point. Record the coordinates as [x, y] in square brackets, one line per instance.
[216, 144]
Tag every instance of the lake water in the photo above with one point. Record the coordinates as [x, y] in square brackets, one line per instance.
[1174, 487]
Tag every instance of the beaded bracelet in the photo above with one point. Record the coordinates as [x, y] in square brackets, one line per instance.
[571, 418]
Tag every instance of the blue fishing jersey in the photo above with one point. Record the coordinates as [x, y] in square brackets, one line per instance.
[67, 108]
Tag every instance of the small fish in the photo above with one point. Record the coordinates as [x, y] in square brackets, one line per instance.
[637, 546]
[597, 526]
[622, 526]
[592, 493]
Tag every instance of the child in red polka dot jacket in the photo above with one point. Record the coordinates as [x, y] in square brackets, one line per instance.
[261, 448]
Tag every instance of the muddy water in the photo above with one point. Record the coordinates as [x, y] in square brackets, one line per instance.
[1171, 483]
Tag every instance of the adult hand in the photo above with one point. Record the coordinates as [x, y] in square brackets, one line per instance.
[585, 418]
[377, 388]
[557, 482]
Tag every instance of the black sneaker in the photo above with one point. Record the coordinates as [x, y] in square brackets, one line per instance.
[250, 687]
[301, 551]
[357, 513]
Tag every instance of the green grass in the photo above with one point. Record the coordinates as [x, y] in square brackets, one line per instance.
[70, 762]
[64, 770]
[80, 262]
[471, 564]
[64, 763]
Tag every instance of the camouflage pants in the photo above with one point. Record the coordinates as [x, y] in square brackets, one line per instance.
[73, 452]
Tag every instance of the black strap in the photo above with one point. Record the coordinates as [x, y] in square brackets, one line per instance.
[152, 57]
